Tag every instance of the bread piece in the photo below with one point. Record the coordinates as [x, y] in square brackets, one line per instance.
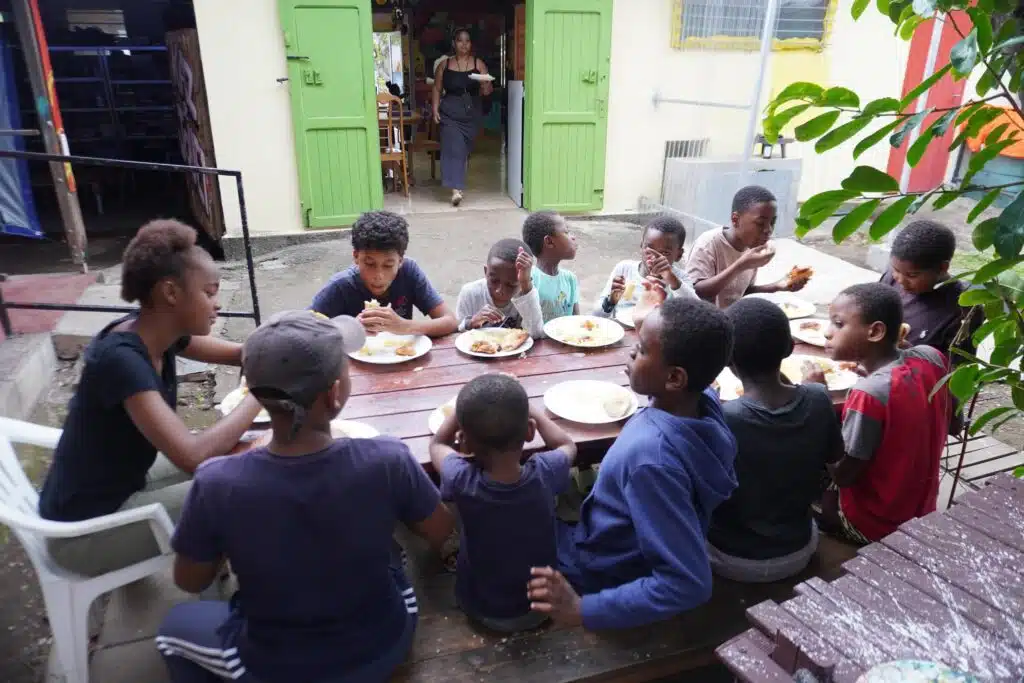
[484, 346]
[800, 275]
[513, 339]
[406, 349]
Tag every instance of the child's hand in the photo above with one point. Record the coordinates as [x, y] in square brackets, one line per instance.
[488, 315]
[524, 266]
[551, 594]
[756, 257]
[618, 288]
[653, 296]
[813, 374]
[384, 320]
[788, 285]
[657, 264]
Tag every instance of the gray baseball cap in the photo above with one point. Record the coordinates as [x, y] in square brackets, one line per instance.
[296, 355]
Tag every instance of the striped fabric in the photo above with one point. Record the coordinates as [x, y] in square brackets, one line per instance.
[223, 662]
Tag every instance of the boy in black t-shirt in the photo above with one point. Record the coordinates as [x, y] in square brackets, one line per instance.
[785, 435]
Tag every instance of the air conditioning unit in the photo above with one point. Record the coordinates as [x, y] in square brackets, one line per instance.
[703, 189]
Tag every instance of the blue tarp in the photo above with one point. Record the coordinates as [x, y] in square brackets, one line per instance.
[17, 208]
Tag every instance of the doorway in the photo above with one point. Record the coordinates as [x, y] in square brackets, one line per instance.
[343, 54]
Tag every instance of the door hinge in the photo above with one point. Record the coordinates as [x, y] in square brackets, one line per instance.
[287, 39]
[306, 216]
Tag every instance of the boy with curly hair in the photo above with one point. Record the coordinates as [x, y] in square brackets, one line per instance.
[382, 286]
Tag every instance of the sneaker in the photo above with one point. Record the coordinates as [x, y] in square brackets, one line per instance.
[456, 197]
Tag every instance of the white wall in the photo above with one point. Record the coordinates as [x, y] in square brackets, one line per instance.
[250, 113]
[643, 61]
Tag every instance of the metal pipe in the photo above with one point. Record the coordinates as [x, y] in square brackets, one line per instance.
[247, 244]
[118, 163]
[922, 99]
[767, 37]
[658, 99]
[21, 132]
[97, 309]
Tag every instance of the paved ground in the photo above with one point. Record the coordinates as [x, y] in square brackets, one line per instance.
[450, 247]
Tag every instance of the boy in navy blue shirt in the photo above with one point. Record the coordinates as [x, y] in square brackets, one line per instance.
[639, 552]
[506, 509]
[382, 286]
[306, 523]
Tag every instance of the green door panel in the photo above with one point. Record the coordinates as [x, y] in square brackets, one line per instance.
[334, 109]
[568, 61]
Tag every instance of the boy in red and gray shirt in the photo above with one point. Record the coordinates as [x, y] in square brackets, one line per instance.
[893, 433]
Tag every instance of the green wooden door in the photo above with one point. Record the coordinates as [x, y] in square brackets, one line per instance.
[568, 59]
[329, 44]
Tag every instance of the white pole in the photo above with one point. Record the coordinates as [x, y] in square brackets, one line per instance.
[767, 37]
[922, 99]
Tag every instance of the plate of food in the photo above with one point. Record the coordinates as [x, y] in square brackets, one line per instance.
[235, 398]
[385, 348]
[793, 306]
[440, 414]
[584, 331]
[494, 342]
[839, 376]
[624, 314]
[915, 671]
[341, 429]
[590, 401]
[728, 386]
[481, 77]
[809, 331]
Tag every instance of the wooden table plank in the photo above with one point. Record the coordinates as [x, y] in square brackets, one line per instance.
[983, 583]
[450, 356]
[852, 638]
[963, 645]
[953, 533]
[950, 594]
[1011, 485]
[993, 528]
[744, 658]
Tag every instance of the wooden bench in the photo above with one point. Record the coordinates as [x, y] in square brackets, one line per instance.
[448, 647]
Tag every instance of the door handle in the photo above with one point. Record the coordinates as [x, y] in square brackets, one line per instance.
[297, 58]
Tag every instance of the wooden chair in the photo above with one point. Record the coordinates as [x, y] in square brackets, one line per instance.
[391, 127]
[430, 145]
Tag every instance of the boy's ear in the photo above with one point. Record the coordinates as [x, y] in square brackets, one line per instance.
[944, 268]
[876, 332]
[355, 255]
[335, 396]
[678, 379]
[531, 430]
[735, 218]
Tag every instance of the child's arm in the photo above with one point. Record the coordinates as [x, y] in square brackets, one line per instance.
[863, 425]
[527, 301]
[207, 349]
[609, 297]
[443, 443]
[554, 436]
[197, 545]
[709, 284]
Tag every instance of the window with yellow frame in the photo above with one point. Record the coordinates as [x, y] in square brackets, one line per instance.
[736, 24]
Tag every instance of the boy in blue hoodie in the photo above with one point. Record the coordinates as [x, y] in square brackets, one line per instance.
[639, 552]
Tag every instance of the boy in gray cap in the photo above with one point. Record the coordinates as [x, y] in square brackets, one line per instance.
[307, 526]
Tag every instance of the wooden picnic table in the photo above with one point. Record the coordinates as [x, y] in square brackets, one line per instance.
[946, 588]
[398, 399]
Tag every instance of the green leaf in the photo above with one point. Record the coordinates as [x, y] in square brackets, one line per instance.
[891, 217]
[848, 224]
[988, 77]
[963, 381]
[984, 233]
[924, 8]
[983, 204]
[1019, 472]
[982, 118]
[938, 385]
[838, 136]
[774, 123]
[921, 200]
[993, 268]
[996, 133]
[964, 55]
[983, 26]
[883, 6]
[984, 155]
[945, 199]
[816, 126]
[880, 106]
[1017, 394]
[868, 179]
[923, 86]
[986, 328]
[1006, 44]
[968, 111]
[839, 97]
[895, 10]
[942, 124]
[1003, 355]
[830, 200]
[908, 27]
[1009, 234]
[801, 90]
[977, 296]
[985, 418]
[1008, 29]
[858, 8]
[917, 149]
[909, 124]
[873, 139]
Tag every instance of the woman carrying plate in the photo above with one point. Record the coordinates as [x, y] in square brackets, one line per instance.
[122, 415]
[456, 100]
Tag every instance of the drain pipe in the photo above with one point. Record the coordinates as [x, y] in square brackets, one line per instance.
[767, 37]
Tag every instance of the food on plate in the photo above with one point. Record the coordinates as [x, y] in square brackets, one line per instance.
[484, 346]
[847, 365]
[365, 351]
[814, 325]
[448, 409]
[799, 275]
[790, 309]
[588, 325]
[513, 339]
[406, 349]
[617, 404]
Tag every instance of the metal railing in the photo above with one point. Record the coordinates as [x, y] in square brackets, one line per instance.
[254, 314]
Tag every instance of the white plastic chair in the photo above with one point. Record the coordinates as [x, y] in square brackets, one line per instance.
[68, 596]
